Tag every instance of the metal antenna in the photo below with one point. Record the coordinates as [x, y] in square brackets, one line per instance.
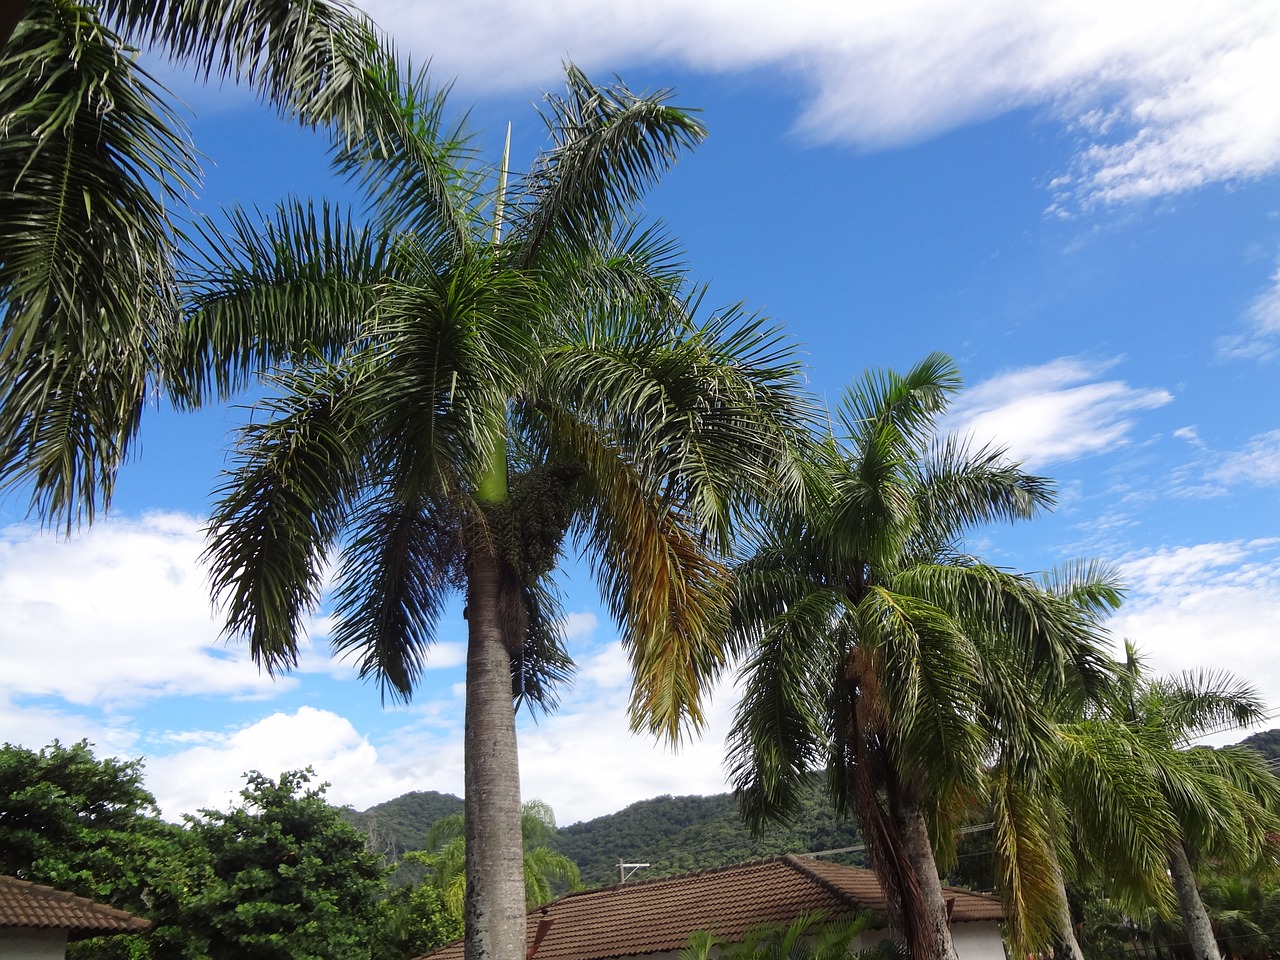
[627, 869]
[501, 200]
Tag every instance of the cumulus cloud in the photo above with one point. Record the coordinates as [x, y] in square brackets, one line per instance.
[1058, 411]
[582, 760]
[210, 774]
[117, 614]
[1209, 605]
[1162, 97]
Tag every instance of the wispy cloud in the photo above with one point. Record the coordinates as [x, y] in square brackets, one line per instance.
[1055, 412]
[1257, 464]
[1261, 337]
[1163, 97]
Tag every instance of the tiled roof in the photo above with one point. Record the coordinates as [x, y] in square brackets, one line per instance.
[658, 915]
[24, 904]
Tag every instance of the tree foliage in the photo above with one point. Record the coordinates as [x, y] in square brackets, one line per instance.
[280, 876]
[84, 825]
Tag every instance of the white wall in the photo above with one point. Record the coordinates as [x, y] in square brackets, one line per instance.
[29, 943]
[978, 940]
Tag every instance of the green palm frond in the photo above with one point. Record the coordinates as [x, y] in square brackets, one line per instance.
[89, 157]
[1105, 776]
[280, 508]
[608, 146]
[321, 62]
[1193, 702]
[265, 289]
[900, 407]
[779, 735]
[926, 667]
[392, 584]
[417, 166]
[1092, 585]
[960, 488]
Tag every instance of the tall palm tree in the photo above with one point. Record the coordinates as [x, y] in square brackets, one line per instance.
[869, 637]
[95, 172]
[487, 369]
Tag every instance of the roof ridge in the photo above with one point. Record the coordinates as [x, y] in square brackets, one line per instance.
[93, 908]
[672, 877]
[797, 863]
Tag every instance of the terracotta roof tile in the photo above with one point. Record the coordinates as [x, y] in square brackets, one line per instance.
[24, 904]
[658, 915]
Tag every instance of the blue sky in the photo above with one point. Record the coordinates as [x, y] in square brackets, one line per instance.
[1081, 205]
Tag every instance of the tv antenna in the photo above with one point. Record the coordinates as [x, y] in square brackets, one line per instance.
[625, 870]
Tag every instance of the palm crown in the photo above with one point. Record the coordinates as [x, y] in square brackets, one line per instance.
[484, 369]
[877, 648]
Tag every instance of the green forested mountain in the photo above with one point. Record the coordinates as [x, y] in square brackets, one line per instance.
[1266, 743]
[678, 834]
[672, 834]
[402, 824]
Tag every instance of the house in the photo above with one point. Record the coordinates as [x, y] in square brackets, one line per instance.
[37, 922]
[654, 918]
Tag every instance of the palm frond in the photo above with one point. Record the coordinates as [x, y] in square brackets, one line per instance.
[1026, 857]
[322, 62]
[1092, 585]
[267, 289]
[88, 158]
[542, 664]
[1193, 702]
[279, 509]
[1105, 774]
[392, 584]
[416, 166]
[608, 146]
[901, 407]
[779, 730]
[926, 669]
[960, 488]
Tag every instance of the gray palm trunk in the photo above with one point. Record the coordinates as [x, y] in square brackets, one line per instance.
[494, 908]
[1065, 927]
[1195, 919]
[934, 922]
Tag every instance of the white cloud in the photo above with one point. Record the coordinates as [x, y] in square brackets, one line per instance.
[1164, 97]
[1263, 321]
[210, 775]
[114, 615]
[1054, 412]
[1258, 463]
[583, 759]
[1210, 605]
[585, 762]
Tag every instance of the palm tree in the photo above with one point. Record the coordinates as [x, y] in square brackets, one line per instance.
[1124, 802]
[870, 638]
[545, 869]
[95, 172]
[1225, 802]
[480, 373]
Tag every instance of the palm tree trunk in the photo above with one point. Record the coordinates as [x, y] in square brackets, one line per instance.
[1195, 919]
[933, 919]
[1065, 926]
[494, 911]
